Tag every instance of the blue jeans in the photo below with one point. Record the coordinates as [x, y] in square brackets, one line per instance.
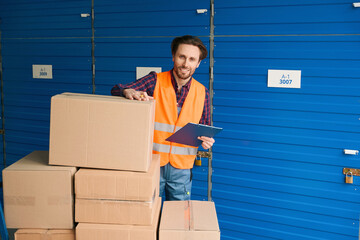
[175, 183]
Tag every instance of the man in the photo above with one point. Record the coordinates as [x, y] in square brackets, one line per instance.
[180, 99]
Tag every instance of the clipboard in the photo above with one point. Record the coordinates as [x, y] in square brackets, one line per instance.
[190, 132]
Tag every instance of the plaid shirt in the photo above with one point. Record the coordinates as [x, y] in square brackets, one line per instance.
[147, 84]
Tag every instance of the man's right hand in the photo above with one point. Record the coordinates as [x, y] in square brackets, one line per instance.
[136, 95]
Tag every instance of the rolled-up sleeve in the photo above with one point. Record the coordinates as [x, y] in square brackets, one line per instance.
[145, 84]
[206, 115]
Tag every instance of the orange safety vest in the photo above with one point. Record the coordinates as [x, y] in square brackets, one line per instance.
[168, 121]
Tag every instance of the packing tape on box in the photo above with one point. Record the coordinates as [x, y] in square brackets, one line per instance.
[31, 235]
[44, 234]
[191, 221]
[187, 215]
[30, 201]
[19, 200]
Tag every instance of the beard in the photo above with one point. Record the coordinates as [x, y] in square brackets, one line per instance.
[183, 75]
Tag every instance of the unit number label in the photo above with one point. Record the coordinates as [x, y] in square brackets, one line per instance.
[284, 78]
[42, 71]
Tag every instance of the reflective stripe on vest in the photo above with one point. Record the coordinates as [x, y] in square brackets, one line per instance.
[174, 149]
[165, 127]
[183, 150]
[161, 148]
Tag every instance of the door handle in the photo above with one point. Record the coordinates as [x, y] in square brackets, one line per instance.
[354, 171]
[351, 152]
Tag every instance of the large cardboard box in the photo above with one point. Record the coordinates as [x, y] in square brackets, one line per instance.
[91, 231]
[115, 212]
[190, 220]
[37, 195]
[98, 131]
[119, 185]
[45, 234]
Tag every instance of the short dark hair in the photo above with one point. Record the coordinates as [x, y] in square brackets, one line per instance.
[191, 40]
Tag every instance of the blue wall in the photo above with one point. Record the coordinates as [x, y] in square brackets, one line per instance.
[278, 163]
[46, 33]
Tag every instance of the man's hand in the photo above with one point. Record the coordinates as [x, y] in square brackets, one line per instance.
[206, 142]
[136, 95]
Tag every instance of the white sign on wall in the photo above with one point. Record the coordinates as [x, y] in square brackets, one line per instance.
[143, 71]
[284, 78]
[42, 71]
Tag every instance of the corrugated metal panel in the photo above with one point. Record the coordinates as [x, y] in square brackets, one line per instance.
[130, 34]
[45, 33]
[278, 163]
[135, 33]
[283, 18]
[45, 19]
[141, 18]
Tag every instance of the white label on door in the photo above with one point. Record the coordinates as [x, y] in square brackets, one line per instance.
[143, 71]
[42, 71]
[284, 78]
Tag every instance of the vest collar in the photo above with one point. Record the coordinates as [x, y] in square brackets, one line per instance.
[174, 83]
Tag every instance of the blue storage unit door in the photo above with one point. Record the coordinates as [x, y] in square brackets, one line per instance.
[2, 157]
[41, 33]
[278, 164]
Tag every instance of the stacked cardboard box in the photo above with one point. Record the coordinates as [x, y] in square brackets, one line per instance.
[191, 220]
[37, 195]
[98, 131]
[111, 138]
[116, 194]
[44, 234]
[117, 197]
[112, 203]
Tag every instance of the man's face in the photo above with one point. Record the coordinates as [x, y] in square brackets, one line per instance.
[186, 60]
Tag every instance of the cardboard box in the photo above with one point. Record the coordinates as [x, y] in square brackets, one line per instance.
[45, 234]
[37, 195]
[98, 131]
[91, 231]
[119, 185]
[191, 220]
[115, 212]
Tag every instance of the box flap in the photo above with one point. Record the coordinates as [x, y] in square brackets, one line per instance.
[94, 97]
[175, 215]
[125, 227]
[203, 216]
[189, 216]
[61, 231]
[44, 234]
[96, 231]
[31, 231]
[115, 212]
[37, 161]
[61, 234]
[118, 184]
